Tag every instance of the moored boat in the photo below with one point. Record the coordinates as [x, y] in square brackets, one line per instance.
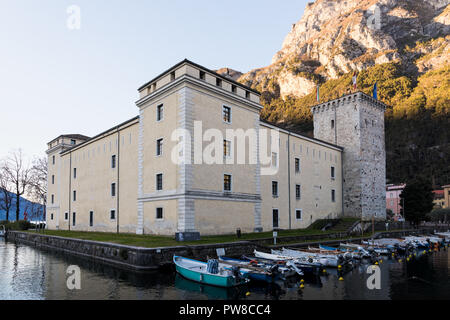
[198, 271]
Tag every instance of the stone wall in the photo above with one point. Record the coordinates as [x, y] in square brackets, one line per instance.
[127, 257]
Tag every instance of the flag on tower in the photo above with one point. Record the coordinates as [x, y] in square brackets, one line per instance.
[355, 79]
[375, 91]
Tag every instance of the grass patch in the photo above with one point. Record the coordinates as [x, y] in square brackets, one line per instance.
[152, 241]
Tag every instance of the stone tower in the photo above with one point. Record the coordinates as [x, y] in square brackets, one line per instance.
[356, 122]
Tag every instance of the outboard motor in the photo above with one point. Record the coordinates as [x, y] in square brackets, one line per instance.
[236, 271]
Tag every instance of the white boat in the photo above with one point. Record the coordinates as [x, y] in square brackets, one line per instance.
[277, 256]
[324, 259]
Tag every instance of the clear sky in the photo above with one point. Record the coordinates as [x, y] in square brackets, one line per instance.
[54, 80]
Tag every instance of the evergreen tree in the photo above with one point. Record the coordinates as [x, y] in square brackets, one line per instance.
[417, 200]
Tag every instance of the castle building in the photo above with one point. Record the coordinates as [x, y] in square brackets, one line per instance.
[198, 160]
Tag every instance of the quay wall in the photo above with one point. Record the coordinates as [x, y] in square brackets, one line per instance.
[127, 257]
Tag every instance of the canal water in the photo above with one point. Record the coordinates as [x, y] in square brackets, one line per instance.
[30, 273]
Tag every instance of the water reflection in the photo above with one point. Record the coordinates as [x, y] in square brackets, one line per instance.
[29, 273]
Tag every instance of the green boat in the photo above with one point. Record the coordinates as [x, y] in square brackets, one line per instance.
[198, 271]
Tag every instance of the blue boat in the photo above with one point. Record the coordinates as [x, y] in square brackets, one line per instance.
[259, 272]
[198, 271]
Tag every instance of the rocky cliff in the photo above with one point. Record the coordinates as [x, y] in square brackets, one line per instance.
[337, 37]
[403, 45]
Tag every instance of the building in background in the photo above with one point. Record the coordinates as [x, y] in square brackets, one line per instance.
[439, 199]
[125, 179]
[446, 196]
[393, 201]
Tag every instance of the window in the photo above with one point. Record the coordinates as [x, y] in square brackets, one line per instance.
[297, 165]
[154, 87]
[227, 114]
[274, 159]
[74, 195]
[51, 216]
[218, 82]
[275, 218]
[113, 161]
[227, 182]
[74, 173]
[159, 213]
[66, 216]
[172, 76]
[159, 182]
[298, 214]
[202, 75]
[73, 142]
[53, 198]
[113, 189]
[159, 147]
[298, 191]
[53, 159]
[233, 88]
[247, 94]
[226, 148]
[112, 214]
[91, 218]
[333, 173]
[333, 195]
[332, 124]
[160, 113]
[275, 189]
[53, 179]
[74, 218]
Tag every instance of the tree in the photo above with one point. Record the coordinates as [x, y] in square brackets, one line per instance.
[417, 200]
[18, 174]
[5, 193]
[38, 184]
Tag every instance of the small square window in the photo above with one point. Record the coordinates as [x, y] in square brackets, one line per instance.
[233, 88]
[226, 148]
[73, 142]
[159, 147]
[112, 214]
[297, 165]
[218, 82]
[172, 76]
[66, 216]
[91, 218]
[51, 216]
[298, 192]
[275, 189]
[159, 182]
[298, 214]
[160, 113]
[247, 94]
[159, 214]
[227, 182]
[202, 75]
[226, 114]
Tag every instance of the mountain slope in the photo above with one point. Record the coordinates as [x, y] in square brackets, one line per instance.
[403, 45]
[34, 210]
